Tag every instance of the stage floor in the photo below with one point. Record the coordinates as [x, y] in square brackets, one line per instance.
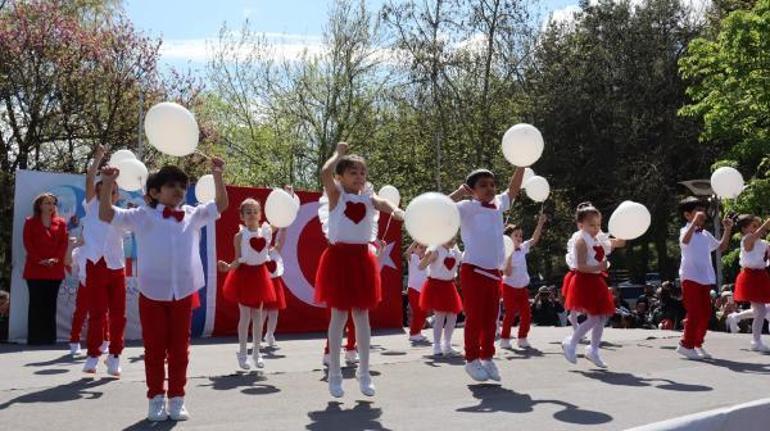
[646, 382]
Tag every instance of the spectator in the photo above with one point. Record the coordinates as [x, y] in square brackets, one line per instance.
[669, 312]
[648, 297]
[545, 310]
[622, 310]
[5, 303]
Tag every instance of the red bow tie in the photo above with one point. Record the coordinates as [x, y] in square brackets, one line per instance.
[168, 212]
[698, 229]
[489, 205]
[517, 249]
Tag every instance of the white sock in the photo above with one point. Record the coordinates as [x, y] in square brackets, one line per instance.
[760, 311]
[363, 338]
[272, 322]
[256, 330]
[336, 327]
[439, 320]
[449, 328]
[596, 334]
[243, 328]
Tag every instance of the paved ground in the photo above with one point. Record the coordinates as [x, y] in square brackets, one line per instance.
[646, 382]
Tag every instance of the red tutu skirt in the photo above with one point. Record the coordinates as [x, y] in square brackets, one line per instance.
[588, 293]
[196, 300]
[566, 282]
[752, 285]
[348, 277]
[280, 296]
[440, 295]
[249, 285]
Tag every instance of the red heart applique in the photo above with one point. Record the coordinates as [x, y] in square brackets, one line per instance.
[449, 262]
[271, 265]
[258, 244]
[355, 211]
[599, 253]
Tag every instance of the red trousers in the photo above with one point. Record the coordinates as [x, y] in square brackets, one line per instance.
[166, 336]
[418, 314]
[351, 336]
[481, 300]
[516, 301]
[697, 304]
[106, 293]
[80, 314]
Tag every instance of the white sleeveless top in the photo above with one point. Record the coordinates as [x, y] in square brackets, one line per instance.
[276, 257]
[571, 257]
[591, 258]
[754, 259]
[353, 220]
[257, 253]
[443, 268]
[519, 277]
[417, 276]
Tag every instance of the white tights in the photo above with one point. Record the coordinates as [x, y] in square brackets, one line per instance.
[272, 322]
[363, 336]
[249, 316]
[443, 322]
[760, 312]
[593, 323]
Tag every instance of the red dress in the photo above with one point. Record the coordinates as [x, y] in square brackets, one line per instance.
[439, 292]
[588, 292]
[250, 284]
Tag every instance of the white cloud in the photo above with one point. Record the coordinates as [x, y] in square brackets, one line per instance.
[562, 15]
[283, 47]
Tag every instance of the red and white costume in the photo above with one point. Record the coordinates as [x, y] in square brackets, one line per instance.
[753, 282]
[275, 268]
[439, 292]
[415, 282]
[698, 277]
[250, 284]
[588, 292]
[515, 293]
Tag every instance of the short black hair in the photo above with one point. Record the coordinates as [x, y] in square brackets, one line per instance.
[476, 175]
[165, 176]
[690, 203]
[347, 162]
[511, 228]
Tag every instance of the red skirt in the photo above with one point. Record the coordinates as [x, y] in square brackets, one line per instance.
[588, 293]
[280, 296]
[249, 285]
[440, 295]
[196, 300]
[348, 277]
[752, 285]
[566, 282]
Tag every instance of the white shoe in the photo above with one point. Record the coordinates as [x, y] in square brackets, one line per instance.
[270, 339]
[688, 353]
[113, 365]
[505, 343]
[105, 347]
[90, 365]
[476, 371]
[326, 360]
[732, 323]
[157, 411]
[419, 338]
[258, 361]
[448, 351]
[437, 349]
[593, 356]
[491, 369]
[703, 353]
[243, 361]
[759, 347]
[365, 383]
[569, 352]
[523, 343]
[176, 409]
[75, 350]
[351, 357]
[335, 386]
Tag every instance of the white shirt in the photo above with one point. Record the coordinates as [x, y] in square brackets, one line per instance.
[696, 257]
[169, 265]
[444, 267]
[754, 259]
[482, 232]
[276, 257]
[571, 256]
[258, 253]
[101, 240]
[519, 277]
[78, 266]
[417, 276]
[352, 221]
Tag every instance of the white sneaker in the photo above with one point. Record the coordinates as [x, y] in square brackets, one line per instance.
[505, 343]
[90, 365]
[419, 338]
[523, 343]
[258, 361]
[105, 347]
[687, 353]
[448, 351]
[113, 365]
[157, 411]
[176, 409]
[491, 369]
[351, 357]
[335, 386]
[75, 350]
[326, 360]
[703, 353]
[759, 347]
[569, 352]
[476, 371]
[732, 323]
[593, 356]
[243, 360]
[437, 349]
[365, 383]
[270, 340]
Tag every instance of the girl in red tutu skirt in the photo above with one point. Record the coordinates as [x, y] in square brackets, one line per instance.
[248, 282]
[439, 294]
[348, 277]
[753, 282]
[588, 292]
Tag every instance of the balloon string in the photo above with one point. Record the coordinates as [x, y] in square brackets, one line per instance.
[387, 226]
[201, 153]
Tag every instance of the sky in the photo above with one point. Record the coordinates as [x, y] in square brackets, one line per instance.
[187, 25]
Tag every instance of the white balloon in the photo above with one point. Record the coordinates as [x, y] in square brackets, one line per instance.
[205, 191]
[119, 156]
[522, 145]
[528, 174]
[508, 242]
[537, 189]
[133, 175]
[280, 208]
[432, 219]
[391, 194]
[630, 220]
[172, 129]
[727, 182]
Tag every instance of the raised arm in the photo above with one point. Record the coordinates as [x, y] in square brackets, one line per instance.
[751, 238]
[410, 249]
[220, 197]
[327, 174]
[384, 205]
[106, 212]
[91, 173]
[699, 217]
[514, 186]
[726, 235]
[538, 230]
[428, 259]
[461, 193]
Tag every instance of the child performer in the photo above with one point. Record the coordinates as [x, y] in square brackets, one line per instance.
[275, 267]
[440, 294]
[753, 282]
[417, 277]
